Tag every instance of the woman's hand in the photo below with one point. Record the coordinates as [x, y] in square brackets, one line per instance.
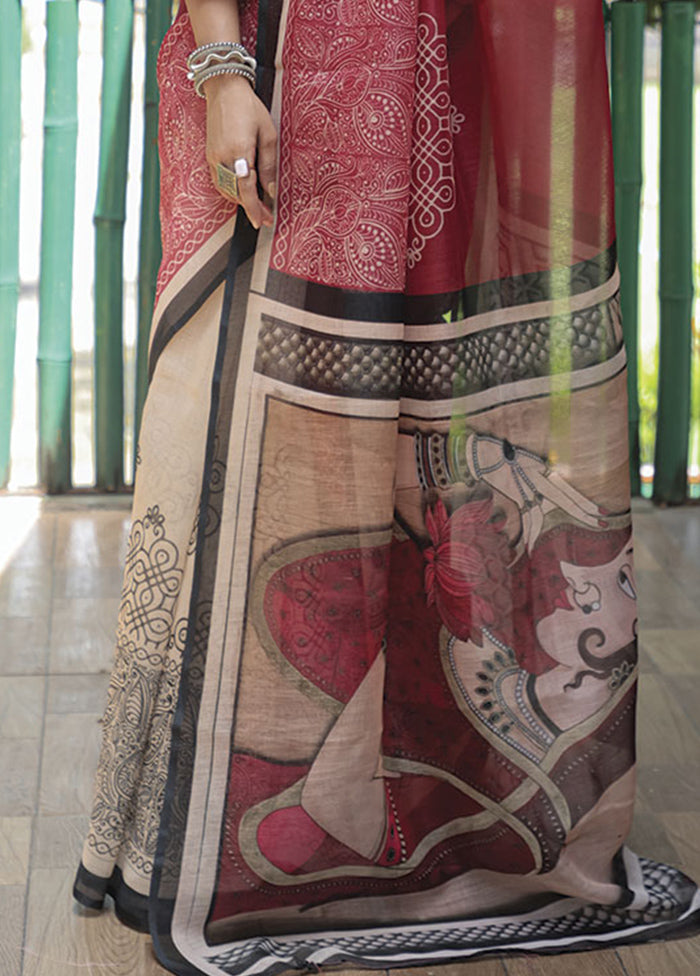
[239, 126]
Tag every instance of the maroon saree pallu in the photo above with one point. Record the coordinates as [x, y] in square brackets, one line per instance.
[373, 700]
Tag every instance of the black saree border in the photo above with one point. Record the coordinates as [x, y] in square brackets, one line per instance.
[130, 906]
[242, 248]
[187, 302]
[463, 303]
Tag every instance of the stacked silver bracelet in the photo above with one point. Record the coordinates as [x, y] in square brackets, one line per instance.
[224, 58]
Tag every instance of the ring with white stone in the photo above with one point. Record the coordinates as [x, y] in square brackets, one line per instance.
[241, 168]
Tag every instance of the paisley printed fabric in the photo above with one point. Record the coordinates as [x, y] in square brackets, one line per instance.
[373, 701]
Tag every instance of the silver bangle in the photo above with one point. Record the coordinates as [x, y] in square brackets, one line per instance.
[226, 69]
[197, 72]
[221, 52]
[220, 45]
[215, 58]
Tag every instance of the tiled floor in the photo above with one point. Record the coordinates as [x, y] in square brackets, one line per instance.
[59, 585]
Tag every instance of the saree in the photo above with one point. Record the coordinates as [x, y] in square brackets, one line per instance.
[373, 700]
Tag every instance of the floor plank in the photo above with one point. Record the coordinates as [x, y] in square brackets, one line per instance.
[678, 568]
[58, 841]
[648, 836]
[673, 651]
[21, 707]
[11, 920]
[473, 967]
[663, 731]
[670, 786]
[681, 958]
[683, 830]
[82, 635]
[603, 962]
[686, 690]
[38, 543]
[15, 840]
[19, 762]
[24, 643]
[62, 939]
[91, 539]
[71, 742]
[684, 530]
[77, 582]
[663, 603]
[77, 693]
[643, 557]
[24, 590]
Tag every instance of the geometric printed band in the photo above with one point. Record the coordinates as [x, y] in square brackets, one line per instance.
[438, 370]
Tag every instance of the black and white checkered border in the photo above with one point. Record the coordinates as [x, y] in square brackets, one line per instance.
[670, 895]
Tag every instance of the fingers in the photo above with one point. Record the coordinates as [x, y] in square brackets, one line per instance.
[256, 210]
[239, 127]
[267, 157]
[243, 191]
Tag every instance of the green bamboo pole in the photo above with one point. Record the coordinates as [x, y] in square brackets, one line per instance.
[676, 252]
[628, 19]
[10, 136]
[157, 22]
[109, 240]
[57, 216]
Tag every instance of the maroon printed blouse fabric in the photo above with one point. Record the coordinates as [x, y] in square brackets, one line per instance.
[374, 696]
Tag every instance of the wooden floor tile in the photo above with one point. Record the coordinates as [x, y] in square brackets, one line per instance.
[670, 786]
[368, 972]
[11, 925]
[673, 651]
[685, 689]
[77, 693]
[79, 506]
[647, 664]
[681, 958]
[87, 581]
[21, 707]
[470, 967]
[82, 635]
[648, 836]
[19, 762]
[36, 548]
[678, 568]
[58, 841]
[15, 840]
[25, 591]
[22, 525]
[663, 731]
[62, 939]
[602, 962]
[683, 830]
[24, 643]
[663, 603]
[683, 526]
[643, 557]
[71, 748]
[91, 539]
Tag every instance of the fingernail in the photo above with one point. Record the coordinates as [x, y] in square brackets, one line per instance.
[272, 189]
[255, 223]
